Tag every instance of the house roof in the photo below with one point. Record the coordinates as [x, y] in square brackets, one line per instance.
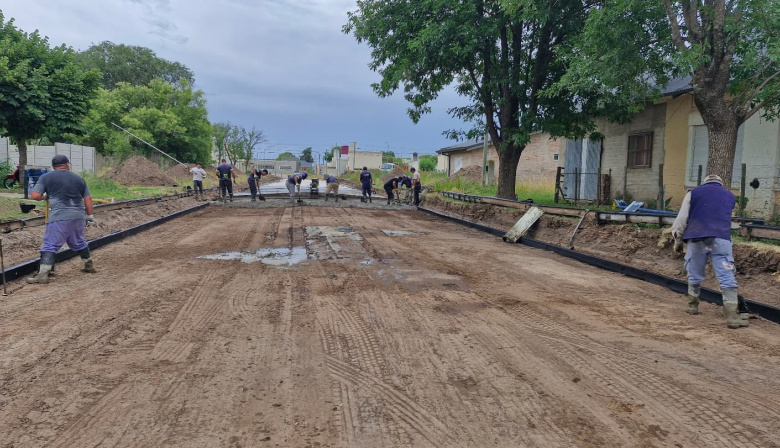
[460, 147]
[677, 86]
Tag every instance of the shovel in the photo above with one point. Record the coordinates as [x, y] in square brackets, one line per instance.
[299, 200]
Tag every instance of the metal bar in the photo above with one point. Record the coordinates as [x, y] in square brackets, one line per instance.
[28, 267]
[759, 231]
[767, 312]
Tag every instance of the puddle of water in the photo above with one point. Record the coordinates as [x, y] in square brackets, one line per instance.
[330, 232]
[281, 257]
[398, 233]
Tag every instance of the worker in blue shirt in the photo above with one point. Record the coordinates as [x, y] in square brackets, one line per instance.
[365, 183]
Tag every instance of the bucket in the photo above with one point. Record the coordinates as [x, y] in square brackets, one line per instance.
[27, 208]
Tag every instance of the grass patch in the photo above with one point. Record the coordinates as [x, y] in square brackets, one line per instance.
[9, 208]
[103, 188]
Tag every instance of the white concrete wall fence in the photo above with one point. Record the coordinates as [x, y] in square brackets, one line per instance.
[82, 158]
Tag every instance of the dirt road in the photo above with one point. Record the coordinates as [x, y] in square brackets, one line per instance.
[308, 326]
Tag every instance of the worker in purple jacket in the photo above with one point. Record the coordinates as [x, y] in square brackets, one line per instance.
[704, 223]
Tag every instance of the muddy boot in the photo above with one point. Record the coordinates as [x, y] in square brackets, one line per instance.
[730, 305]
[89, 267]
[693, 299]
[326, 198]
[369, 199]
[231, 198]
[44, 271]
[42, 276]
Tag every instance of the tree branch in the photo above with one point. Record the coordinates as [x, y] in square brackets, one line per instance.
[677, 37]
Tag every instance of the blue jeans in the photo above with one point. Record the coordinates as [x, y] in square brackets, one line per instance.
[719, 251]
[58, 233]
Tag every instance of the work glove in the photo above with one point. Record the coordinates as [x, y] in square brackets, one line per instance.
[90, 220]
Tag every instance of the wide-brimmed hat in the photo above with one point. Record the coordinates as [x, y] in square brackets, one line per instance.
[713, 178]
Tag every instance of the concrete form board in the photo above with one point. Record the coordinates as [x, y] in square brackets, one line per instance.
[523, 224]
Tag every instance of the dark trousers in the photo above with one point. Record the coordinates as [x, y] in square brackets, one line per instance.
[197, 186]
[417, 189]
[253, 188]
[226, 184]
[366, 191]
[389, 191]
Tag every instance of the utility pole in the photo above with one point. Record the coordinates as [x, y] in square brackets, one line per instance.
[484, 158]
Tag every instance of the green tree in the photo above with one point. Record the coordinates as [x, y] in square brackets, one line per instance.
[171, 117]
[499, 56]
[328, 156]
[42, 89]
[388, 157]
[428, 163]
[306, 156]
[286, 155]
[134, 65]
[729, 49]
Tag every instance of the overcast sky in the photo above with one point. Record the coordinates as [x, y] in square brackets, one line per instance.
[283, 66]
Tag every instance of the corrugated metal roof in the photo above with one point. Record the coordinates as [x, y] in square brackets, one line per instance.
[460, 147]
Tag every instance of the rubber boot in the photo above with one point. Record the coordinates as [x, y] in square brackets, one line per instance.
[326, 198]
[89, 267]
[693, 299]
[42, 276]
[730, 305]
[369, 199]
[231, 198]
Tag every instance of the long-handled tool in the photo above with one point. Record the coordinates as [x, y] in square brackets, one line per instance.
[299, 200]
[2, 266]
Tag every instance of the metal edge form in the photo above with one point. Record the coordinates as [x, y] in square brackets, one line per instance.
[22, 269]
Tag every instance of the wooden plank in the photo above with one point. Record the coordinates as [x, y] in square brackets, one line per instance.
[772, 233]
[523, 224]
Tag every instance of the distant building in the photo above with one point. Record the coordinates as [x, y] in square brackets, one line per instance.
[348, 158]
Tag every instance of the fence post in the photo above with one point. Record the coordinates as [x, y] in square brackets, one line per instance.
[661, 198]
[625, 184]
[557, 183]
[576, 185]
[698, 179]
[742, 191]
[598, 188]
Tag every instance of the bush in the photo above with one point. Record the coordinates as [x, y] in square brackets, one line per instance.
[6, 168]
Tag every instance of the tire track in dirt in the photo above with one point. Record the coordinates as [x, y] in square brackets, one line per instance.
[176, 346]
[203, 306]
[619, 377]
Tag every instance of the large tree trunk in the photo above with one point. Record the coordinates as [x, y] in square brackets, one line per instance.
[507, 171]
[722, 125]
[22, 145]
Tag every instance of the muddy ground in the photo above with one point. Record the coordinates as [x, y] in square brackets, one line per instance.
[757, 267]
[311, 326]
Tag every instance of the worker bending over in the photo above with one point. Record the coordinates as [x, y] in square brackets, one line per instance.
[295, 182]
[331, 184]
[704, 222]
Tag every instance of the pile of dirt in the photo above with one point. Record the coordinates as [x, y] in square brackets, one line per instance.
[472, 173]
[139, 171]
[180, 171]
[395, 173]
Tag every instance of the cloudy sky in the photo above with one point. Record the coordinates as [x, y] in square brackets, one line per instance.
[283, 66]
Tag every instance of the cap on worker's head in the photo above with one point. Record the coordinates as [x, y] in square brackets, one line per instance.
[199, 164]
[713, 178]
[365, 168]
[223, 160]
[304, 175]
[413, 170]
[58, 160]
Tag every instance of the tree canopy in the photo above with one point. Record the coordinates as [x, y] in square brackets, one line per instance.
[134, 65]
[42, 89]
[501, 56]
[171, 117]
[306, 155]
[730, 51]
[428, 162]
[286, 155]
[239, 142]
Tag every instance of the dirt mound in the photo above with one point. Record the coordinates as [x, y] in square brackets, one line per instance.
[139, 171]
[472, 173]
[395, 173]
[180, 171]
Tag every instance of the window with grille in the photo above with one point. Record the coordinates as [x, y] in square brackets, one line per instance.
[640, 149]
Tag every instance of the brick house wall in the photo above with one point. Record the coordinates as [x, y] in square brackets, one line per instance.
[537, 161]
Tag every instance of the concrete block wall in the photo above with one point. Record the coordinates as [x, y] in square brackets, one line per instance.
[642, 183]
[536, 162]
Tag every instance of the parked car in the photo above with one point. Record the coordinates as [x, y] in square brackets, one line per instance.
[387, 166]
